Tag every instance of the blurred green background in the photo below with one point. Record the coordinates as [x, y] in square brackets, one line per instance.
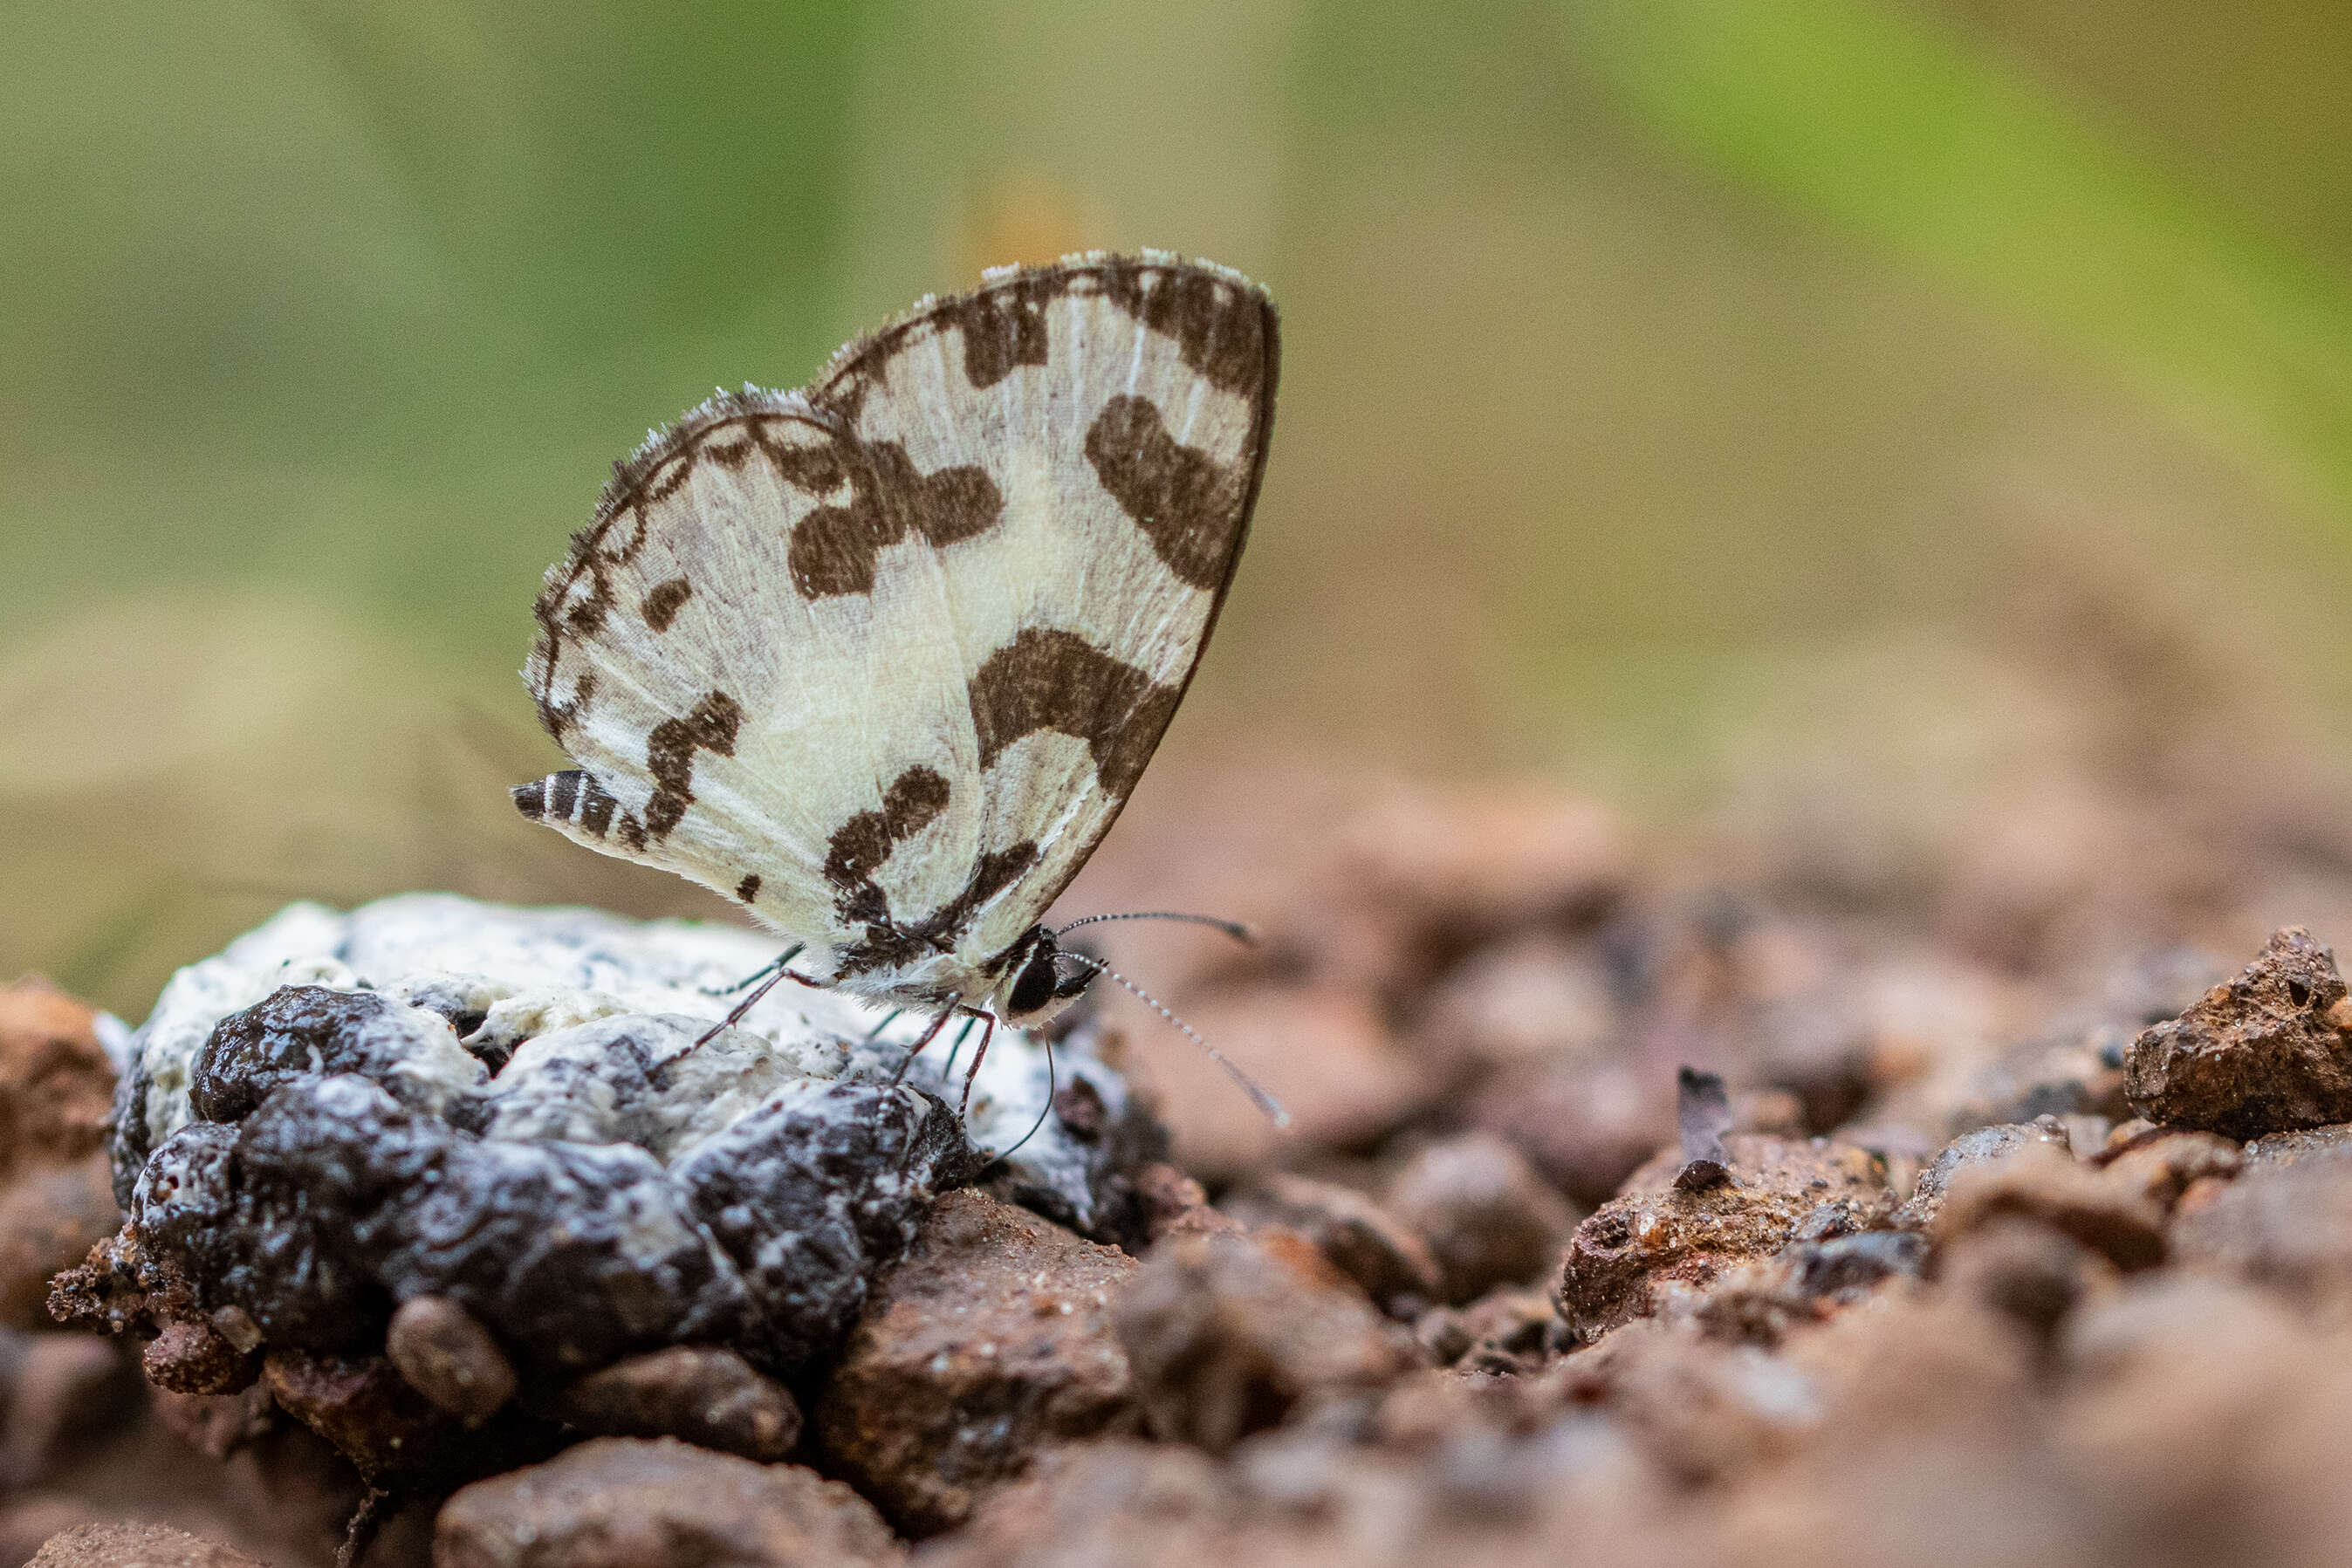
[1698, 402]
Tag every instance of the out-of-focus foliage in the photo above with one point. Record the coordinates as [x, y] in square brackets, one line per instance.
[1697, 398]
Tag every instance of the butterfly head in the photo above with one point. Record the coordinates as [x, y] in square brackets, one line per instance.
[1041, 980]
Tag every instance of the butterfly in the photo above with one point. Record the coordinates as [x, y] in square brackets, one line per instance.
[882, 659]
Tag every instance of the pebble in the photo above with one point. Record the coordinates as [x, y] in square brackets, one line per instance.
[623, 1503]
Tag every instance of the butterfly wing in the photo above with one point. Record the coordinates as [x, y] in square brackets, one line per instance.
[883, 659]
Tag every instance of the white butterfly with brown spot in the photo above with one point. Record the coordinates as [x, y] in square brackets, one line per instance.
[881, 659]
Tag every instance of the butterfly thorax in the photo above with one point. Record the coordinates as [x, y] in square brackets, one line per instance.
[1027, 982]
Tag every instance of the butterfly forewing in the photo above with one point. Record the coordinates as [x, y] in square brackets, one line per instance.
[884, 659]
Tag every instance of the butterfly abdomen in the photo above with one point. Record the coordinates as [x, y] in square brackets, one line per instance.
[573, 800]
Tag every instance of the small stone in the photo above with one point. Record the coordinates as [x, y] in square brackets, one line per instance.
[709, 1396]
[2161, 1168]
[1508, 1332]
[2258, 1055]
[1982, 1147]
[1227, 1332]
[55, 1197]
[50, 1215]
[1173, 1202]
[216, 1425]
[136, 1546]
[2284, 1223]
[394, 1436]
[447, 1354]
[991, 1339]
[1806, 1282]
[2038, 1182]
[55, 1083]
[2285, 1148]
[2030, 1271]
[1660, 1239]
[1489, 1220]
[1361, 1240]
[622, 1502]
[28, 1519]
[192, 1357]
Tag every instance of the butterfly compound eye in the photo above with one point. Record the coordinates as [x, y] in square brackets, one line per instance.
[1035, 988]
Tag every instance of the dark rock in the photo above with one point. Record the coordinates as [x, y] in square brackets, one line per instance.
[619, 1502]
[396, 1438]
[1808, 1281]
[794, 1195]
[2267, 1052]
[309, 1031]
[136, 1546]
[991, 1339]
[1659, 1239]
[1512, 1332]
[1361, 1240]
[1702, 1115]
[2041, 1183]
[1982, 1147]
[710, 1398]
[1227, 1333]
[446, 1354]
[1489, 1220]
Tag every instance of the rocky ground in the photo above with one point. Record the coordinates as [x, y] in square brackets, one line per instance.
[1641, 1207]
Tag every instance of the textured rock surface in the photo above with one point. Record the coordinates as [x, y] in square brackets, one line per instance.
[2111, 1215]
[990, 1340]
[712, 1398]
[1660, 1239]
[1359, 1239]
[2269, 1051]
[1227, 1332]
[136, 1546]
[1489, 1220]
[618, 1502]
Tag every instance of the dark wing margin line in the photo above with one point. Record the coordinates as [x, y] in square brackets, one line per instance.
[630, 476]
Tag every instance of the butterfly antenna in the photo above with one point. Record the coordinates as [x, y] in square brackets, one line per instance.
[1233, 928]
[1042, 1111]
[1259, 1097]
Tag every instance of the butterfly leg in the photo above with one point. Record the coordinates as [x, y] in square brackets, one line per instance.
[955, 1047]
[761, 973]
[735, 1014]
[916, 1050]
[987, 1033]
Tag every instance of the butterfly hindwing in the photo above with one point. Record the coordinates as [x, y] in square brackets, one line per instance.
[883, 659]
